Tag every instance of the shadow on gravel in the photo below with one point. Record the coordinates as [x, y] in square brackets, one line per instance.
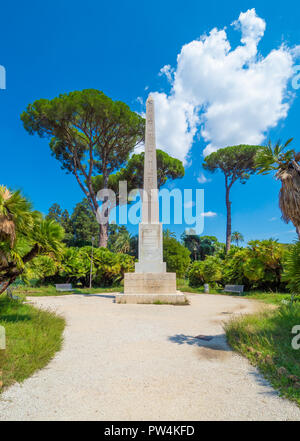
[215, 348]
[209, 347]
[219, 341]
[258, 377]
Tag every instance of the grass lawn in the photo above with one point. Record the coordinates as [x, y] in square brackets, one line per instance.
[51, 291]
[32, 338]
[265, 339]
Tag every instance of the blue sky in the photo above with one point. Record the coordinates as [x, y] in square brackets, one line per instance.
[120, 47]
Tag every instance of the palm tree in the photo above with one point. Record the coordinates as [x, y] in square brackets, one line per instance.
[122, 243]
[286, 165]
[15, 213]
[292, 268]
[44, 239]
[24, 234]
[237, 237]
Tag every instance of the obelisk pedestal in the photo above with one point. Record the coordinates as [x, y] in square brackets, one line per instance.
[150, 282]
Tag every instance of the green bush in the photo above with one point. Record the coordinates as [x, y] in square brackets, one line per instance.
[38, 269]
[176, 256]
[233, 270]
[108, 267]
[258, 266]
[292, 268]
[206, 271]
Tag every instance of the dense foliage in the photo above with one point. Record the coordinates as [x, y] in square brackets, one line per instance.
[205, 271]
[167, 168]
[201, 246]
[176, 256]
[257, 266]
[292, 268]
[24, 235]
[80, 227]
[89, 133]
[107, 269]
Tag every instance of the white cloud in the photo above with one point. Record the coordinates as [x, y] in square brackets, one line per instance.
[209, 214]
[226, 95]
[202, 179]
[273, 219]
[140, 100]
[168, 71]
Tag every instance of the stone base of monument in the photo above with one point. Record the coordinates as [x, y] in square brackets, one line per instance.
[150, 288]
[172, 299]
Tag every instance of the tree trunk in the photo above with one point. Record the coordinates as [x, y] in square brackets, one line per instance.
[298, 231]
[4, 287]
[13, 272]
[103, 235]
[228, 223]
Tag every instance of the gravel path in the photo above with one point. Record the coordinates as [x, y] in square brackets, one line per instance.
[143, 362]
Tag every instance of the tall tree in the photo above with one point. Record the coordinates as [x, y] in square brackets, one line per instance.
[237, 237]
[89, 134]
[55, 212]
[286, 164]
[84, 225]
[168, 168]
[200, 246]
[237, 164]
[63, 218]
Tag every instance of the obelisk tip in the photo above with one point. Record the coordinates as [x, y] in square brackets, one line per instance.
[150, 98]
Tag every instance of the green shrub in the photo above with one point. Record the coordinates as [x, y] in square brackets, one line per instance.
[258, 266]
[206, 271]
[233, 270]
[176, 256]
[38, 269]
[108, 267]
[292, 268]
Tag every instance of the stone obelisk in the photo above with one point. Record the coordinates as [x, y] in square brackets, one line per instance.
[150, 282]
[150, 229]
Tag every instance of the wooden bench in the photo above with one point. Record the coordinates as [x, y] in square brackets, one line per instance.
[64, 287]
[234, 288]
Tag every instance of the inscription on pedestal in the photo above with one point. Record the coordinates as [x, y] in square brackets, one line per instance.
[150, 246]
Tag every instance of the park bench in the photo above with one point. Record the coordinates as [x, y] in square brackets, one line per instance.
[9, 293]
[64, 287]
[234, 288]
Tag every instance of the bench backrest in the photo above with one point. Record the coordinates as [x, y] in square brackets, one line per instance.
[63, 287]
[234, 288]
